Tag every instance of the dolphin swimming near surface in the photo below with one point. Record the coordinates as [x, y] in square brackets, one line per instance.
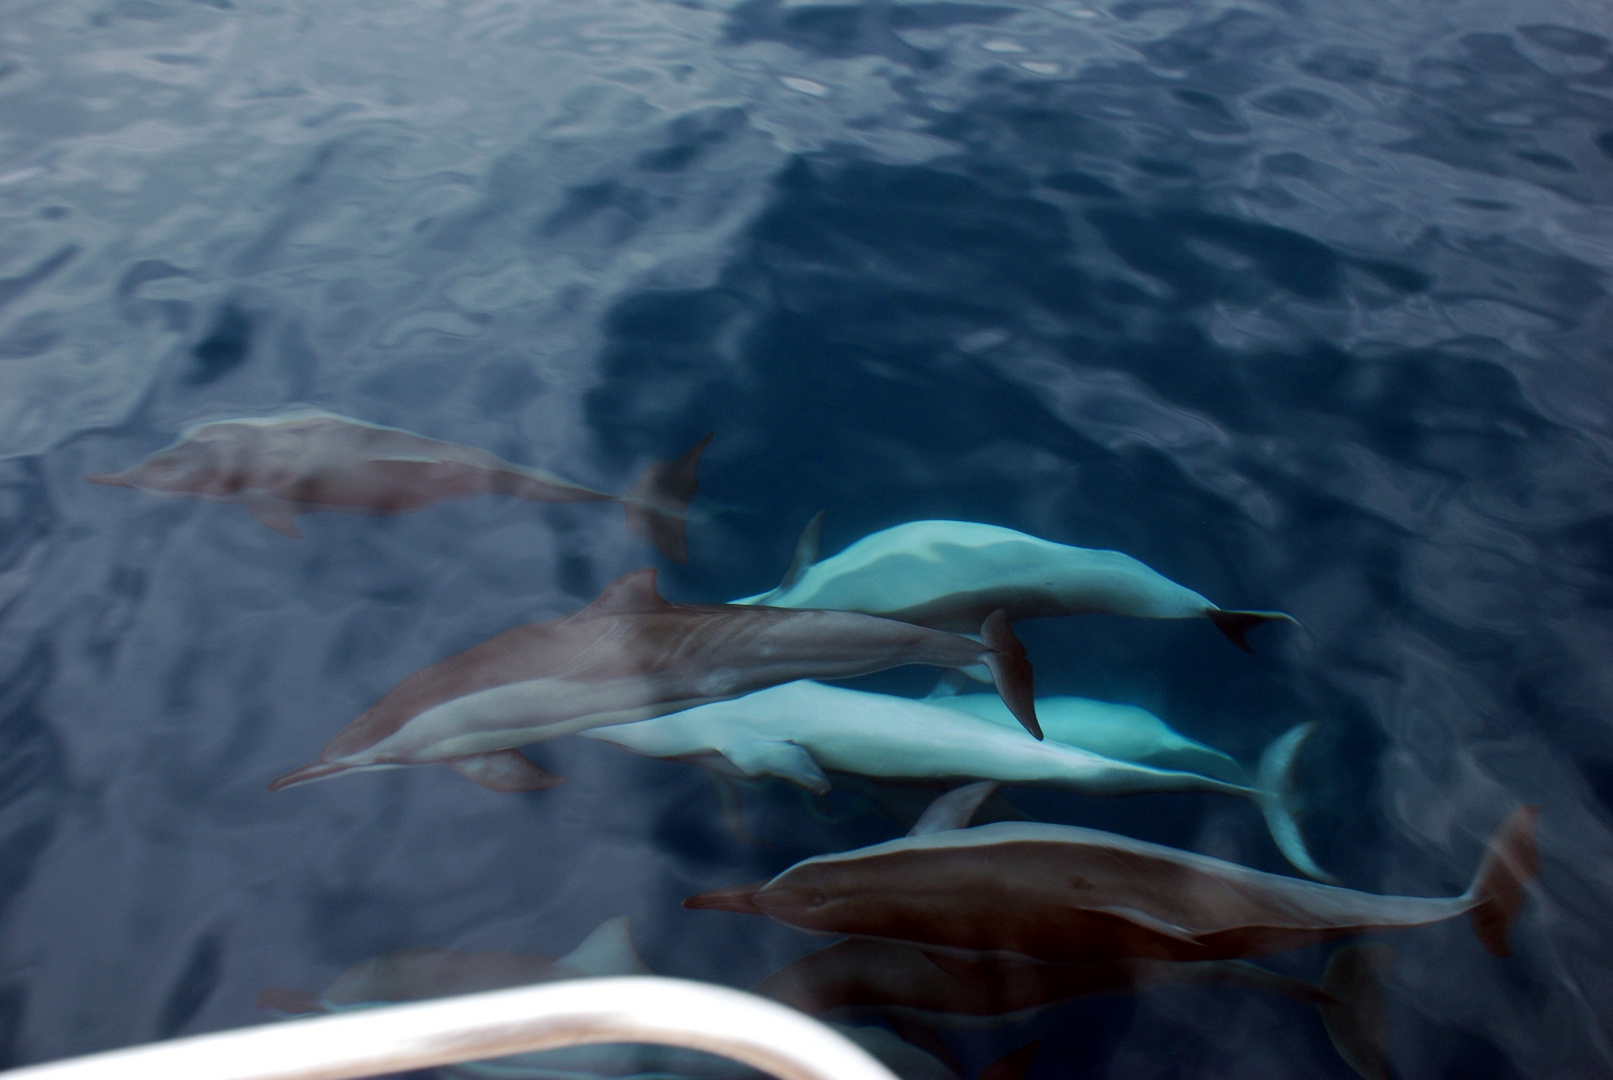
[950, 574]
[307, 461]
[423, 974]
[905, 984]
[798, 730]
[628, 656]
[1061, 894]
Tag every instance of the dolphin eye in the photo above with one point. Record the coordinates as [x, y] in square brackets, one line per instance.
[816, 898]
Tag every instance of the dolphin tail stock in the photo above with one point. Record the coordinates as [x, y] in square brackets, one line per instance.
[1235, 624]
[1010, 670]
[290, 1002]
[1275, 795]
[657, 507]
[1352, 1008]
[1497, 893]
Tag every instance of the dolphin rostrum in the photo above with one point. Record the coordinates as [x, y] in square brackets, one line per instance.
[905, 985]
[628, 656]
[1061, 894]
[306, 461]
[950, 574]
[798, 730]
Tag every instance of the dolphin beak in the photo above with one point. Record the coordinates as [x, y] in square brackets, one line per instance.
[111, 479]
[740, 898]
[307, 774]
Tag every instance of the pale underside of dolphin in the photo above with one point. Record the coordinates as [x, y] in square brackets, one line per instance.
[906, 985]
[630, 656]
[800, 730]
[301, 462]
[1060, 894]
[948, 574]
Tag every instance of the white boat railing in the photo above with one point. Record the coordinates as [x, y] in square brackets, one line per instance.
[448, 1031]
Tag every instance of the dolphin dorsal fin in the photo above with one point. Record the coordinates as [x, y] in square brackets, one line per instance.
[630, 594]
[806, 553]
[953, 810]
[607, 951]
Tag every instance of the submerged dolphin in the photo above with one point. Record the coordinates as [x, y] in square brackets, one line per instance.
[950, 574]
[422, 974]
[1060, 894]
[906, 985]
[301, 462]
[798, 730]
[630, 655]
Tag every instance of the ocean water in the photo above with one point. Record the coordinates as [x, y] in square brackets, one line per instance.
[1302, 303]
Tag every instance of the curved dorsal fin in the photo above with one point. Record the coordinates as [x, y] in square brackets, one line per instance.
[806, 553]
[955, 809]
[630, 594]
[607, 951]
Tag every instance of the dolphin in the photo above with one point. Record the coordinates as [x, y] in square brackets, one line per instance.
[950, 574]
[630, 655]
[798, 730]
[422, 974]
[1062, 894]
[907, 985]
[306, 461]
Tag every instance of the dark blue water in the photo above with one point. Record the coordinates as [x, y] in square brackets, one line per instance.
[1304, 304]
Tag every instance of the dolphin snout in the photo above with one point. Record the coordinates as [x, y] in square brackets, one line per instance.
[110, 478]
[740, 898]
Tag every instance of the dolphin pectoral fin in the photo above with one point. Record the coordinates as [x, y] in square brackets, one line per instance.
[290, 1002]
[926, 1038]
[951, 683]
[806, 553]
[1150, 922]
[1354, 1015]
[954, 810]
[504, 770]
[276, 514]
[607, 951]
[770, 757]
[1235, 624]
[1010, 670]
[657, 507]
[1274, 794]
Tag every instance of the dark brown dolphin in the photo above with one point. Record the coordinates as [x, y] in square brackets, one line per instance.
[298, 463]
[631, 655]
[907, 985]
[1060, 894]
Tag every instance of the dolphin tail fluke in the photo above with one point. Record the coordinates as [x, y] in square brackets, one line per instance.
[504, 770]
[1010, 670]
[1353, 1011]
[1013, 1065]
[319, 770]
[658, 505]
[1497, 894]
[1235, 624]
[290, 1002]
[1274, 793]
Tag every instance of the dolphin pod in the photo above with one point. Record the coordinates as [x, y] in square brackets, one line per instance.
[907, 985]
[1061, 894]
[950, 574]
[628, 656]
[297, 463]
[798, 730]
